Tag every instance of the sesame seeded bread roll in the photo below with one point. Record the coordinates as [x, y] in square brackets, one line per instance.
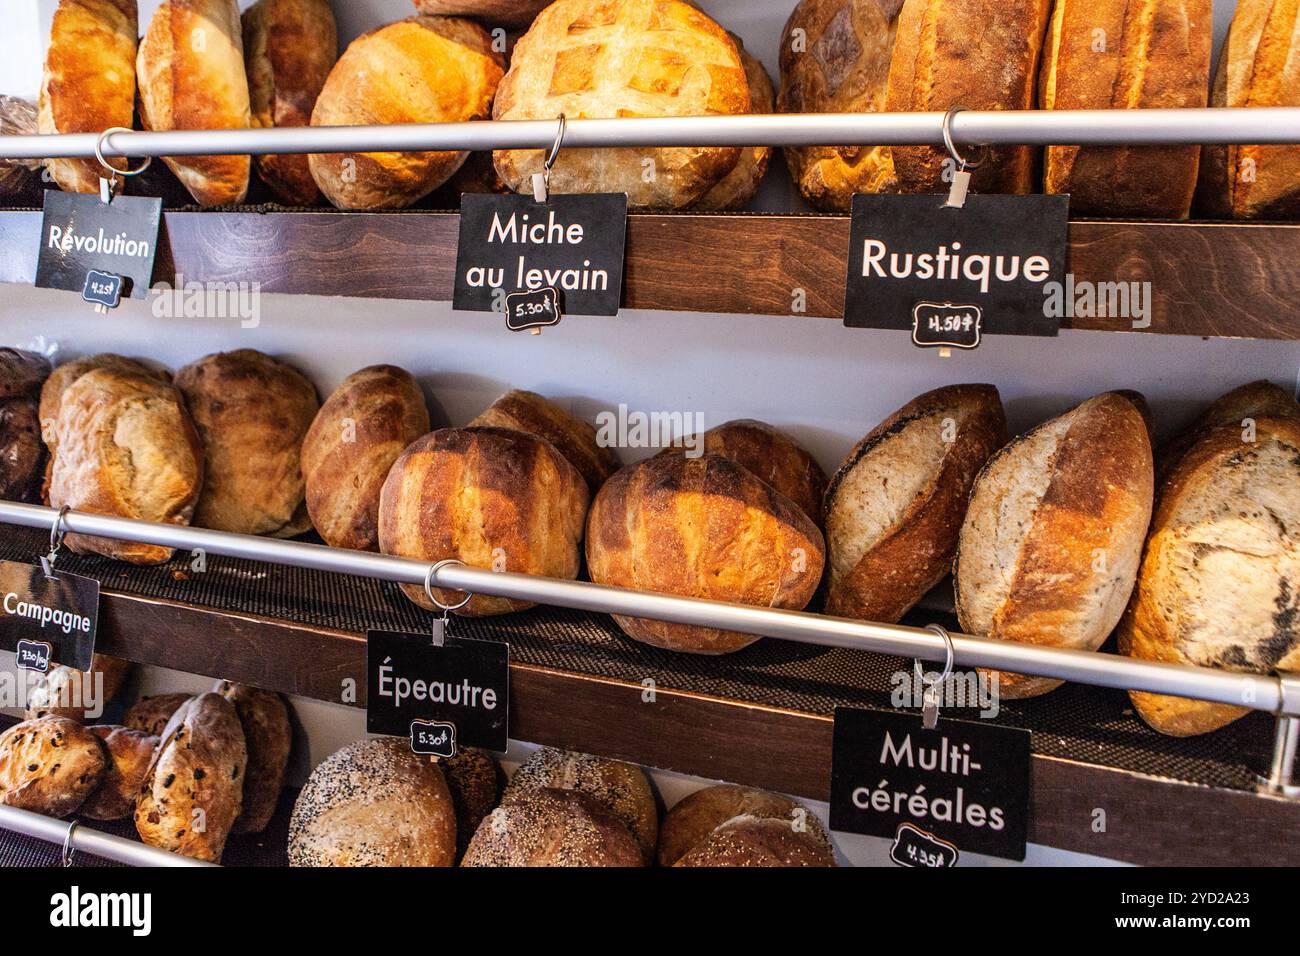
[552, 828]
[729, 825]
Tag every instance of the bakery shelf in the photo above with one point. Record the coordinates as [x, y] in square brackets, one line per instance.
[760, 717]
[1208, 279]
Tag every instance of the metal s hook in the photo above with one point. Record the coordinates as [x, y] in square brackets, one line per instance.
[56, 541]
[440, 626]
[931, 689]
[107, 186]
[542, 180]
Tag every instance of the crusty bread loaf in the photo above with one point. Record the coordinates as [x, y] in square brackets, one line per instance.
[89, 81]
[895, 506]
[374, 803]
[701, 527]
[594, 59]
[150, 715]
[738, 187]
[572, 437]
[191, 793]
[506, 13]
[22, 453]
[1220, 579]
[1259, 65]
[264, 717]
[50, 765]
[1242, 405]
[252, 412]
[552, 828]
[126, 446]
[774, 457]
[352, 443]
[64, 375]
[22, 373]
[65, 692]
[620, 788]
[474, 782]
[1149, 55]
[490, 497]
[190, 71]
[289, 48]
[838, 63]
[1052, 539]
[727, 825]
[129, 753]
[978, 54]
[418, 70]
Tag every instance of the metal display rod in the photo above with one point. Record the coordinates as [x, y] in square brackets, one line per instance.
[1253, 691]
[1265, 125]
[76, 838]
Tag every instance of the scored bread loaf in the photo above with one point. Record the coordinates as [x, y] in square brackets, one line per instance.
[418, 70]
[128, 755]
[49, 765]
[507, 13]
[89, 81]
[727, 825]
[490, 497]
[289, 48]
[895, 506]
[1052, 539]
[1241, 406]
[572, 437]
[374, 803]
[596, 59]
[977, 54]
[264, 718]
[190, 71]
[552, 828]
[1113, 54]
[151, 715]
[252, 412]
[356, 436]
[774, 457]
[474, 782]
[701, 527]
[835, 57]
[77, 695]
[126, 446]
[736, 189]
[1220, 579]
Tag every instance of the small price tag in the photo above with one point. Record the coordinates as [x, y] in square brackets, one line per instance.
[83, 238]
[34, 655]
[532, 310]
[916, 848]
[60, 610]
[102, 288]
[946, 325]
[433, 738]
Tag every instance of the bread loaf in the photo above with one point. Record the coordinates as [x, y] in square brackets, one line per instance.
[1241, 406]
[1259, 65]
[728, 825]
[552, 828]
[89, 81]
[474, 782]
[191, 793]
[77, 695]
[22, 453]
[289, 48]
[190, 71]
[701, 527]
[58, 381]
[150, 715]
[774, 457]
[736, 189]
[506, 13]
[374, 803]
[128, 755]
[419, 70]
[352, 443]
[264, 718]
[895, 506]
[835, 57]
[22, 373]
[594, 59]
[50, 765]
[1112, 54]
[1220, 579]
[746, 841]
[977, 54]
[489, 497]
[572, 437]
[252, 412]
[1053, 535]
[618, 787]
[125, 446]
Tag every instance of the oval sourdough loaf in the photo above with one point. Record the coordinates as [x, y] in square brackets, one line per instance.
[572, 437]
[774, 457]
[268, 736]
[552, 828]
[152, 714]
[129, 753]
[1052, 539]
[49, 765]
[736, 189]
[729, 825]
[1240, 407]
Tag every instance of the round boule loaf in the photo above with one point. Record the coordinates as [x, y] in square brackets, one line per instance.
[748, 841]
[49, 765]
[552, 828]
[736, 189]
[775, 458]
[692, 823]
[474, 781]
[573, 438]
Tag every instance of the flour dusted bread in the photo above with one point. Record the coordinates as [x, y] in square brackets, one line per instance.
[1153, 55]
[89, 81]
[978, 54]
[1052, 539]
[701, 527]
[418, 70]
[1220, 579]
[126, 446]
[77, 695]
[729, 825]
[264, 717]
[572, 437]
[835, 57]
[594, 59]
[64, 375]
[22, 452]
[1241, 407]
[374, 803]
[490, 497]
[552, 828]
[252, 412]
[49, 765]
[506, 13]
[128, 754]
[352, 443]
[895, 506]
[738, 187]
[289, 48]
[190, 70]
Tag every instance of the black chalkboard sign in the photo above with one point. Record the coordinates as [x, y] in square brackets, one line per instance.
[81, 234]
[59, 609]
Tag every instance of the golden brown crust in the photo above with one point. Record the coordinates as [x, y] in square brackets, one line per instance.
[129, 754]
[289, 48]
[64, 692]
[49, 766]
[191, 793]
[552, 828]
[592, 59]
[894, 508]
[1254, 400]
[60, 378]
[264, 717]
[572, 437]
[191, 76]
[356, 436]
[252, 412]
[775, 458]
[507, 13]
[1156, 55]
[418, 70]
[701, 527]
[696, 818]
[490, 497]
[736, 189]
[474, 782]
[150, 715]
[753, 842]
